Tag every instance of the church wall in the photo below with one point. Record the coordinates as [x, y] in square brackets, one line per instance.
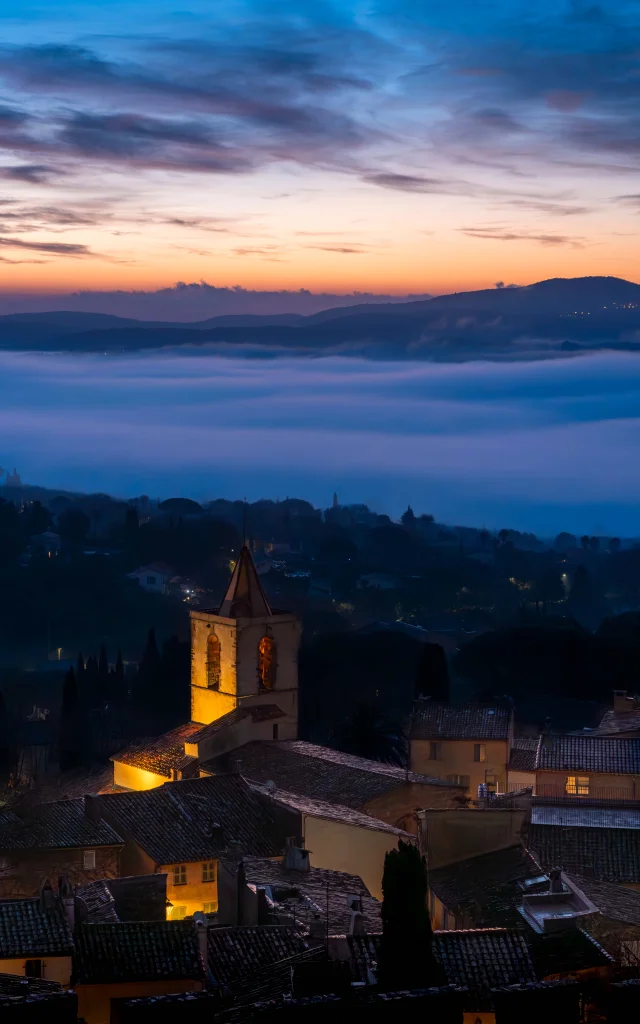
[130, 777]
[285, 630]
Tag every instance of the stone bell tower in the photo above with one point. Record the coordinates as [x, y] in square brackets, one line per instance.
[244, 654]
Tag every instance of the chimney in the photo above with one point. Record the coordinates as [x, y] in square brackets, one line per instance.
[92, 811]
[200, 921]
[356, 918]
[47, 896]
[622, 704]
[295, 858]
[65, 893]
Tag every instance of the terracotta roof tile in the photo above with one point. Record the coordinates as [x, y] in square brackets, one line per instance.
[432, 721]
[610, 854]
[28, 930]
[137, 951]
[62, 824]
[161, 755]
[481, 959]
[589, 754]
[236, 952]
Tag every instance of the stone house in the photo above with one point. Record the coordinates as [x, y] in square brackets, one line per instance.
[588, 766]
[53, 840]
[36, 937]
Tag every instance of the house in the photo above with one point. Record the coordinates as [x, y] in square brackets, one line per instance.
[135, 898]
[188, 830]
[244, 708]
[623, 719]
[52, 840]
[340, 838]
[236, 953]
[378, 790]
[316, 901]
[583, 766]
[125, 960]
[36, 938]
[154, 577]
[466, 744]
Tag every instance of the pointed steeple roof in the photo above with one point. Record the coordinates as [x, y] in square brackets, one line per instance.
[245, 598]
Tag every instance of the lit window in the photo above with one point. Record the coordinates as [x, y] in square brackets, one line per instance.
[435, 751]
[577, 785]
[209, 908]
[267, 663]
[177, 913]
[209, 871]
[213, 662]
[88, 859]
[479, 751]
[179, 874]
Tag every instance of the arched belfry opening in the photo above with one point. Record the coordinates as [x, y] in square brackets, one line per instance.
[267, 663]
[213, 662]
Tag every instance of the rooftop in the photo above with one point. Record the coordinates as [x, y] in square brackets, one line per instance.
[485, 890]
[615, 723]
[523, 754]
[60, 824]
[303, 895]
[614, 901]
[133, 898]
[236, 952]
[484, 958]
[589, 754]
[585, 817]
[28, 930]
[245, 598]
[137, 951]
[609, 854]
[195, 819]
[257, 713]
[432, 721]
[318, 772]
[332, 812]
[163, 754]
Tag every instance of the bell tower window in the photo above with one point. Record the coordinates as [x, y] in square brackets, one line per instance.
[213, 662]
[267, 663]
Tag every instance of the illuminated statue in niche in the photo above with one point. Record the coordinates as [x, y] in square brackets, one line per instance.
[213, 662]
[267, 663]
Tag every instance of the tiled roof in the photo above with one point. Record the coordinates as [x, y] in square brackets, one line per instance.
[94, 902]
[585, 816]
[259, 713]
[610, 854]
[589, 754]
[614, 724]
[566, 951]
[484, 958]
[19, 985]
[26, 929]
[523, 754]
[302, 895]
[236, 952]
[137, 951]
[432, 721]
[8, 818]
[332, 812]
[484, 890]
[133, 898]
[318, 772]
[58, 825]
[614, 901]
[163, 754]
[245, 598]
[196, 819]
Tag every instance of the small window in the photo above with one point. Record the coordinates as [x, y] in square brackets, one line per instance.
[577, 785]
[33, 969]
[179, 874]
[177, 913]
[267, 663]
[88, 860]
[151, 581]
[460, 780]
[209, 908]
[213, 662]
[480, 752]
[209, 871]
[435, 751]
[275, 731]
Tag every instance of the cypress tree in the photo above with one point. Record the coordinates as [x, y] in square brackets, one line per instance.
[103, 673]
[406, 955]
[119, 687]
[148, 680]
[71, 725]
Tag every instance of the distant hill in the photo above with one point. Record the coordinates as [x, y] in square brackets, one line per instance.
[558, 316]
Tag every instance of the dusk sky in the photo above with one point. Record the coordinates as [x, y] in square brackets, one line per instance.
[393, 146]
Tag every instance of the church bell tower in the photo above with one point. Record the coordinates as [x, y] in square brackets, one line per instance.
[244, 654]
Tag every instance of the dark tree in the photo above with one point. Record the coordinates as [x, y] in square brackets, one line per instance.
[432, 673]
[72, 731]
[406, 955]
[73, 526]
[614, 544]
[148, 682]
[118, 683]
[408, 518]
[369, 732]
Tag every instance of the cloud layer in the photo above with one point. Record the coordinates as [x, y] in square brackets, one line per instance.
[541, 446]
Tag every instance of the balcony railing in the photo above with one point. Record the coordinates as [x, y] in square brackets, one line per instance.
[593, 791]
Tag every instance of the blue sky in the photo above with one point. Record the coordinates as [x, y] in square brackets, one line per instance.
[394, 146]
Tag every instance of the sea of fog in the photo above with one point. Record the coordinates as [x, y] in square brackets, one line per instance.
[541, 446]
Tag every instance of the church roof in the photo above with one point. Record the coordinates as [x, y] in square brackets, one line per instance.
[245, 598]
[162, 754]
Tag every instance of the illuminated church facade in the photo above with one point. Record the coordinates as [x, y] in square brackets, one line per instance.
[244, 685]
